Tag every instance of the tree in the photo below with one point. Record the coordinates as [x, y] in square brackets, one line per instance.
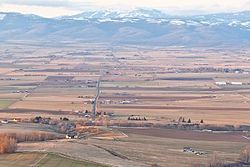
[7, 144]
[216, 162]
[245, 155]
[189, 120]
[180, 119]
[65, 119]
[202, 121]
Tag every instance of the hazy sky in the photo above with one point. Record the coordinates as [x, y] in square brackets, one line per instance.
[52, 8]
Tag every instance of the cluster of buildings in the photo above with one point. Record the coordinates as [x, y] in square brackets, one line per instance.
[136, 118]
[223, 83]
[191, 150]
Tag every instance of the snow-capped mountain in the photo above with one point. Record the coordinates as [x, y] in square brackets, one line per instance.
[113, 15]
[139, 26]
[155, 16]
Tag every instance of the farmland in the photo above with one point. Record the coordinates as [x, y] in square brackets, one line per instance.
[152, 81]
[5, 103]
[153, 102]
[43, 160]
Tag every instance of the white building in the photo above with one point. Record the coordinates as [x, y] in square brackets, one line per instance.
[236, 83]
[125, 102]
[4, 121]
[221, 83]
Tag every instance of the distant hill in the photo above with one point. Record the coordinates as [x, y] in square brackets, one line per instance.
[140, 26]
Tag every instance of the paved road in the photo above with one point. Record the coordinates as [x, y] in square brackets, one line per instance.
[96, 97]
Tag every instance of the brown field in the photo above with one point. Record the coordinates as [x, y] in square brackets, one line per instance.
[144, 150]
[43, 160]
[160, 84]
[188, 135]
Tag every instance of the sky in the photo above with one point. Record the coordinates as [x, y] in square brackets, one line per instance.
[54, 8]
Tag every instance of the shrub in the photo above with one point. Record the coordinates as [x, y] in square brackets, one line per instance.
[7, 144]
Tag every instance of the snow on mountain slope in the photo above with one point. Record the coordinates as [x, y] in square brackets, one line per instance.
[154, 16]
[117, 15]
[2, 16]
[136, 26]
[177, 22]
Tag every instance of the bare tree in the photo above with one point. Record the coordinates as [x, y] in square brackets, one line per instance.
[216, 162]
[245, 155]
[7, 144]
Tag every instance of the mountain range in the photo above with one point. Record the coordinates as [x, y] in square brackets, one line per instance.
[139, 26]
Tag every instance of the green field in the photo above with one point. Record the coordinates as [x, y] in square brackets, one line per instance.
[42, 160]
[5, 103]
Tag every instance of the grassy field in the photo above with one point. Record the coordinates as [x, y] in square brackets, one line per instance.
[42, 160]
[5, 103]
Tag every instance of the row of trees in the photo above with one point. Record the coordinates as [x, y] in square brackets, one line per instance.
[183, 120]
[32, 136]
[8, 141]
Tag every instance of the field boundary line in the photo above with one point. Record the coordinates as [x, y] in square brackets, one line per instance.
[38, 161]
